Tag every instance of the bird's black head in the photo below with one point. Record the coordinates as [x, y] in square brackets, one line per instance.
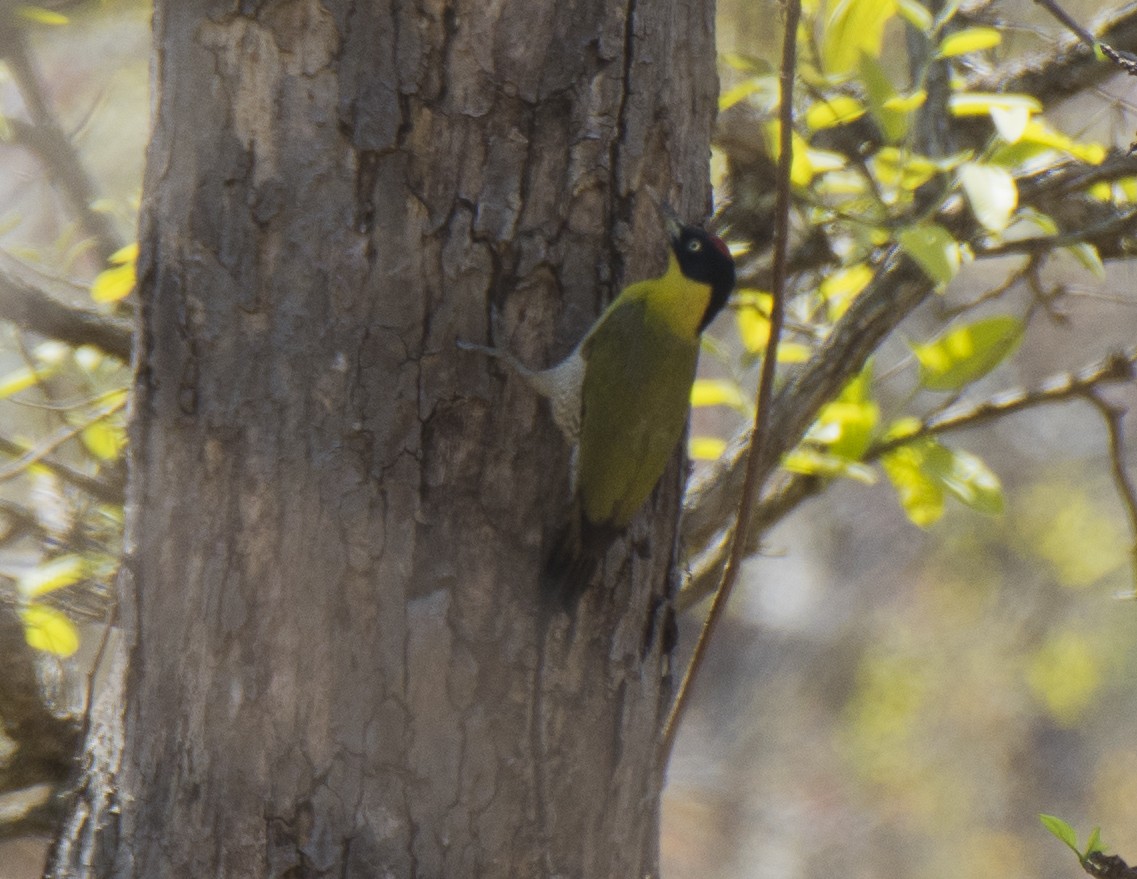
[705, 258]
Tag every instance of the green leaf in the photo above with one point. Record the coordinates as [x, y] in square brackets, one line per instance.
[1086, 254]
[47, 629]
[934, 250]
[835, 111]
[1094, 843]
[991, 192]
[853, 28]
[969, 39]
[1062, 830]
[718, 392]
[65, 570]
[921, 496]
[882, 96]
[846, 425]
[965, 353]
[924, 471]
[966, 477]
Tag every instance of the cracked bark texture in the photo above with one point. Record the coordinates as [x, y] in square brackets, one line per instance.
[332, 659]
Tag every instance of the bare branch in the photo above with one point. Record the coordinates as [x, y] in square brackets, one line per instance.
[763, 422]
[1114, 417]
[1070, 66]
[38, 312]
[793, 489]
[50, 142]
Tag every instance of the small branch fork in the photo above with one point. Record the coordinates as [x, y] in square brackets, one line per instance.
[760, 434]
[1085, 384]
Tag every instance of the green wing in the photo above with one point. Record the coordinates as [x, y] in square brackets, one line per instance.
[637, 388]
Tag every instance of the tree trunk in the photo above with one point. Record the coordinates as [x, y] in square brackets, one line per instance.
[333, 660]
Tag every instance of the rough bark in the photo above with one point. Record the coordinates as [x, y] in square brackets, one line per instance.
[333, 658]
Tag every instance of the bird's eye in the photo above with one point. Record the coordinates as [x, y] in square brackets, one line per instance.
[694, 245]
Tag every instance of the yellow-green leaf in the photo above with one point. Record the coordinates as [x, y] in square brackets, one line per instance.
[114, 283]
[842, 287]
[40, 15]
[853, 28]
[981, 103]
[879, 90]
[991, 192]
[921, 496]
[934, 250]
[738, 93]
[18, 380]
[104, 439]
[47, 629]
[846, 425]
[123, 255]
[835, 111]
[965, 353]
[65, 570]
[1062, 830]
[969, 39]
[801, 169]
[814, 462]
[906, 103]
[966, 477]
[706, 448]
[718, 392]
[1087, 254]
[916, 14]
[753, 329]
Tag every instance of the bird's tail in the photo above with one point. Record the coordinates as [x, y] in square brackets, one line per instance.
[575, 558]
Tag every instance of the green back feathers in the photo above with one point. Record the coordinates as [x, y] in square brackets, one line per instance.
[641, 363]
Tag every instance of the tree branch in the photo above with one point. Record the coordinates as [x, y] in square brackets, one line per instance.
[50, 142]
[38, 312]
[898, 288]
[1068, 67]
[1114, 417]
[709, 559]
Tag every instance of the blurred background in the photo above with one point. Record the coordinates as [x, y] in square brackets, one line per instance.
[884, 699]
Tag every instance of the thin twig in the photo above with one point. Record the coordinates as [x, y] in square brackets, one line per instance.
[1114, 417]
[1068, 20]
[761, 431]
[1117, 367]
[792, 490]
[55, 148]
[38, 453]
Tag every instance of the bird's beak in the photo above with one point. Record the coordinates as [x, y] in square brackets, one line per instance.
[672, 221]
